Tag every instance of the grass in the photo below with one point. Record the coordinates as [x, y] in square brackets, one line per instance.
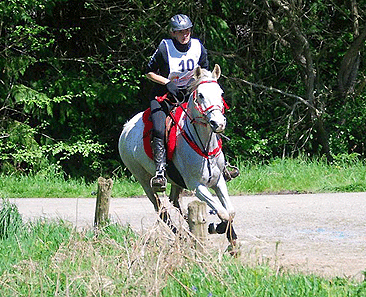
[36, 186]
[346, 174]
[299, 175]
[51, 258]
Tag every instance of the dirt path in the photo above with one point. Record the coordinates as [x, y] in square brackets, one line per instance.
[321, 233]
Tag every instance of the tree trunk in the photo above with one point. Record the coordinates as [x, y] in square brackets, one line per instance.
[349, 67]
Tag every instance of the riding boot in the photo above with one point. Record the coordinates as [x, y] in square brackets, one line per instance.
[230, 172]
[158, 182]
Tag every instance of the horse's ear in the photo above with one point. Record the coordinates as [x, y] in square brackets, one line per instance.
[216, 72]
[197, 72]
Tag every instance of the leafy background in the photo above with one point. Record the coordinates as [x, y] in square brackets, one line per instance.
[72, 73]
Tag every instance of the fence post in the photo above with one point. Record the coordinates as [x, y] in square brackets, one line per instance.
[103, 196]
[197, 221]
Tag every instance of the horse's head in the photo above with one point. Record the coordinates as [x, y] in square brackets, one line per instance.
[209, 105]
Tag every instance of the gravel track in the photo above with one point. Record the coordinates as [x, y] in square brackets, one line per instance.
[313, 233]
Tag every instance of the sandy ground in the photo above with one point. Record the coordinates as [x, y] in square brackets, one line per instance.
[315, 233]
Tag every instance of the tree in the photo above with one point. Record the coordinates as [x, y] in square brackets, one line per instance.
[293, 48]
[72, 74]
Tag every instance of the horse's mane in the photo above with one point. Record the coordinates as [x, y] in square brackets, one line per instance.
[205, 74]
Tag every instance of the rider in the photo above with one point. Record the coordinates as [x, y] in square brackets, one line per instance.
[171, 68]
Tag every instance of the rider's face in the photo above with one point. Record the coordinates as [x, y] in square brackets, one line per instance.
[183, 36]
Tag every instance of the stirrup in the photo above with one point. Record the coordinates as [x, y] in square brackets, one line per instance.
[158, 183]
[230, 173]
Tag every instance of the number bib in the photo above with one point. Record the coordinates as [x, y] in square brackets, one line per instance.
[182, 64]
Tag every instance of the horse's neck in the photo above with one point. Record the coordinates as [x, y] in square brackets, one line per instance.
[200, 133]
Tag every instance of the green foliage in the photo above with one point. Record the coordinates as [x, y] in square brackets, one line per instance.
[234, 279]
[50, 182]
[72, 74]
[300, 175]
[10, 220]
[57, 109]
[20, 152]
[34, 102]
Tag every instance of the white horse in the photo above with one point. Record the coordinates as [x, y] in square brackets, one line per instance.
[198, 161]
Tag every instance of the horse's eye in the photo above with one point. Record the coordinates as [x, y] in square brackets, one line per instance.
[201, 96]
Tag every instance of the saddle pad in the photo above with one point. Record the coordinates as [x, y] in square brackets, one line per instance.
[177, 114]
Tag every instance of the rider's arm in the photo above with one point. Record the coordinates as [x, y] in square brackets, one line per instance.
[158, 68]
[203, 61]
[157, 78]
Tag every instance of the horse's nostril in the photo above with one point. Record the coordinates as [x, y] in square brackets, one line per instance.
[217, 127]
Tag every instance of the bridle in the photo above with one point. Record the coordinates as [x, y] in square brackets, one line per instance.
[206, 111]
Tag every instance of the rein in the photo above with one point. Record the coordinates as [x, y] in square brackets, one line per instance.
[189, 138]
[196, 148]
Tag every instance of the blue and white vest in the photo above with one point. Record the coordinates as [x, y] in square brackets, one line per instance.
[182, 64]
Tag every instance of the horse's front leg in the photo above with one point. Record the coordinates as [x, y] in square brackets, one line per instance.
[223, 212]
[214, 203]
[222, 193]
[226, 226]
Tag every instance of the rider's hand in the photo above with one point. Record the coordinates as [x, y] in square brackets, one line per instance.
[175, 91]
[172, 88]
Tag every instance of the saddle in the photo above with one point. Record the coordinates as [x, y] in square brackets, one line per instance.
[171, 130]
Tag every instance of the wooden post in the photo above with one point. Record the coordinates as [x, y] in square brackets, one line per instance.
[103, 196]
[197, 221]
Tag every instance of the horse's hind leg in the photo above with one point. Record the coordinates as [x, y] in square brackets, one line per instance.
[165, 217]
[175, 196]
[144, 179]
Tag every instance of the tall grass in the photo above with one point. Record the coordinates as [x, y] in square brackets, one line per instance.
[10, 219]
[51, 258]
[345, 174]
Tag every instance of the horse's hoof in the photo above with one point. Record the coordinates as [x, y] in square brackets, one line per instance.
[234, 249]
[231, 173]
[211, 228]
[221, 228]
[235, 253]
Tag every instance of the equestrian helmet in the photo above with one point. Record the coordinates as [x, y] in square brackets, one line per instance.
[180, 22]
